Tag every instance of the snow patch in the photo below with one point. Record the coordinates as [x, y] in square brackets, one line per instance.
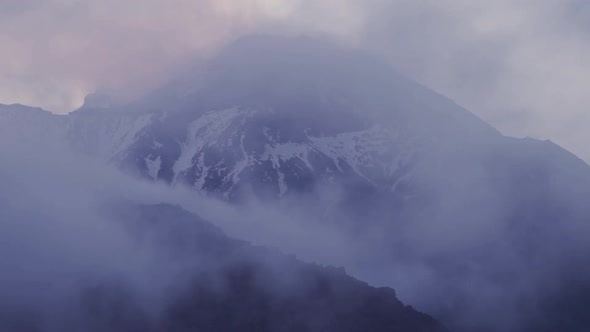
[153, 167]
[204, 131]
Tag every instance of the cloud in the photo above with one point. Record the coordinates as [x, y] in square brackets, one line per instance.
[521, 65]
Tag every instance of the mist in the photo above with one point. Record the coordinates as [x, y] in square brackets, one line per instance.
[520, 65]
[311, 141]
[77, 254]
[476, 209]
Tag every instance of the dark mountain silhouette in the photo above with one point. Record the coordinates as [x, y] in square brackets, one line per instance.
[231, 285]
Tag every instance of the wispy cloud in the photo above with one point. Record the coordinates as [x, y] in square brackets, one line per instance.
[522, 65]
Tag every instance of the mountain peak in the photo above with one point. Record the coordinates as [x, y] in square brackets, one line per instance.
[97, 101]
[20, 108]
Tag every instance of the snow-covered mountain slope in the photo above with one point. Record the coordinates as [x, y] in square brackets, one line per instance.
[273, 117]
[228, 150]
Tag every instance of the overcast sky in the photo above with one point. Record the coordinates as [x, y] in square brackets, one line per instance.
[522, 65]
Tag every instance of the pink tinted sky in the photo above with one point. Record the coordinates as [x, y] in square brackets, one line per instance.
[522, 65]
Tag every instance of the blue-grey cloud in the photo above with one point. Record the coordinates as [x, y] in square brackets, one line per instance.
[522, 65]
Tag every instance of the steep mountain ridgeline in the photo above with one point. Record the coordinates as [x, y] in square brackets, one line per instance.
[193, 278]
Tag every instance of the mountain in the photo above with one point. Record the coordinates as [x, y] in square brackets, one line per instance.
[210, 282]
[474, 224]
[246, 288]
